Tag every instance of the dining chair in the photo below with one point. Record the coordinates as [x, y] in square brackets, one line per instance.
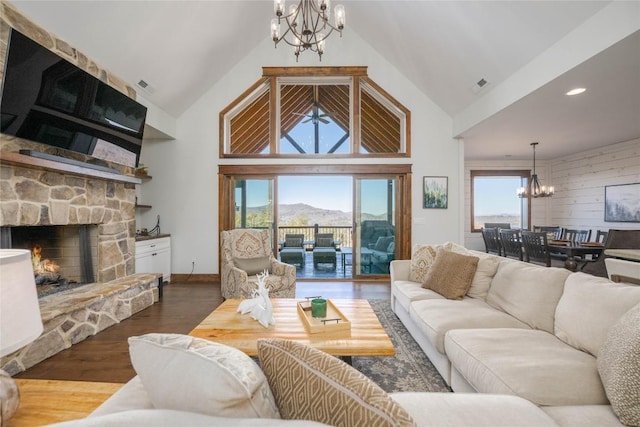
[536, 248]
[492, 241]
[575, 235]
[511, 242]
[497, 225]
[556, 230]
[601, 236]
[616, 239]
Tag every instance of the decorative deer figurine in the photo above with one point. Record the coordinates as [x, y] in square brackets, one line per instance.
[260, 305]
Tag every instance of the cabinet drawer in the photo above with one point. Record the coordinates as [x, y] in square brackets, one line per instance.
[153, 245]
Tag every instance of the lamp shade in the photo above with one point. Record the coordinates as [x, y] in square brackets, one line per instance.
[20, 321]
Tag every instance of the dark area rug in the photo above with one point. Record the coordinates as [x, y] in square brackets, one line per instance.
[410, 369]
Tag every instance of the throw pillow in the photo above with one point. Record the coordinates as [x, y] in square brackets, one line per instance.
[253, 265]
[309, 384]
[422, 258]
[619, 367]
[451, 274]
[192, 374]
[487, 268]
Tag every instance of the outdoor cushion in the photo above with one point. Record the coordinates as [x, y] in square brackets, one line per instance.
[528, 363]
[436, 317]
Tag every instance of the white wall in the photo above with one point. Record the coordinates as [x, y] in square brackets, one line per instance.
[580, 182]
[184, 189]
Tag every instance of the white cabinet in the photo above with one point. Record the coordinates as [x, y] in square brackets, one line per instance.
[153, 255]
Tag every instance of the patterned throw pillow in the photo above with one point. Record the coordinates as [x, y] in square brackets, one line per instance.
[619, 367]
[451, 274]
[309, 384]
[192, 374]
[422, 258]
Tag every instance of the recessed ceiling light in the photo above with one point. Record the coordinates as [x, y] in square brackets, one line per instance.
[576, 91]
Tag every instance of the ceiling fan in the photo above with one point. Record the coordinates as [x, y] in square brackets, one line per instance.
[314, 117]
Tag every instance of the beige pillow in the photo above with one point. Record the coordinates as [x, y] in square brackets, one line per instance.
[192, 374]
[309, 384]
[487, 268]
[451, 274]
[253, 265]
[422, 258]
[619, 367]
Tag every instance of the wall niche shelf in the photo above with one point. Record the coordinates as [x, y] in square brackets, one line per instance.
[143, 178]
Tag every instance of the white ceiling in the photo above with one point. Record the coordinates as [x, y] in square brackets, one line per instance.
[183, 47]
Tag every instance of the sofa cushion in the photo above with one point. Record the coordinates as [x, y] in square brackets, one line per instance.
[471, 409]
[619, 367]
[192, 374]
[528, 363]
[583, 415]
[528, 292]
[405, 292]
[604, 302]
[309, 384]
[436, 317]
[253, 266]
[422, 257]
[173, 418]
[487, 268]
[451, 273]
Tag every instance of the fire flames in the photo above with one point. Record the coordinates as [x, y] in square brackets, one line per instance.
[41, 266]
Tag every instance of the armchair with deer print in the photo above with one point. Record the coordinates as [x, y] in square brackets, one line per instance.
[247, 252]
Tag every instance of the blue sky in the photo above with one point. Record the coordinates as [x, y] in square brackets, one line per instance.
[325, 192]
[496, 196]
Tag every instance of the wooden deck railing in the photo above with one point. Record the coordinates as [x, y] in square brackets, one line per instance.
[342, 233]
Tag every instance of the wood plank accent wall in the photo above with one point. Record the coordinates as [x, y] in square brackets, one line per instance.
[580, 181]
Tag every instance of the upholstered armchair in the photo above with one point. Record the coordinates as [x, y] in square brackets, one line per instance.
[247, 252]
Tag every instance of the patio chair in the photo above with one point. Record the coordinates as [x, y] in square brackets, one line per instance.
[511, 241]
[292, 251]
[324, 250]
[536, 248]
[491, 239]
[247, 252]
[382, 253]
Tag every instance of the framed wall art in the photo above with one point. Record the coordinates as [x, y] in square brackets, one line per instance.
[435, 190]
[622, 203]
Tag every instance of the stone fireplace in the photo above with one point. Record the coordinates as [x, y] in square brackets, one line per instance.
[44, 193]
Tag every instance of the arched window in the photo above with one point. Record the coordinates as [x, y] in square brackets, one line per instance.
[315, 111]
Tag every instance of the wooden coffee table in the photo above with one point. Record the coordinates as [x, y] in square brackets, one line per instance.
[366, 338]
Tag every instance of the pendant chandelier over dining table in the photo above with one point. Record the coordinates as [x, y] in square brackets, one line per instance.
[534, 189]
[308, 24]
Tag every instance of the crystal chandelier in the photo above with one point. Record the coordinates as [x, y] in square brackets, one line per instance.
[535, 189]
[308, 24]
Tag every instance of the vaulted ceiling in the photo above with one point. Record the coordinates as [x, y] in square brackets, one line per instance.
[444, 47]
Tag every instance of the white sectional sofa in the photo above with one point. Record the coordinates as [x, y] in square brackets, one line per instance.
[524, 330]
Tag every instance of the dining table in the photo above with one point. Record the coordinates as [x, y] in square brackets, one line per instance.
[575, 249]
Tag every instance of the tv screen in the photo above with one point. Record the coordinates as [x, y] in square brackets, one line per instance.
[47, 99]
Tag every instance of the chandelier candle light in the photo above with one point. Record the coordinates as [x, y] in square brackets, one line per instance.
[535, 189]
[308, 24]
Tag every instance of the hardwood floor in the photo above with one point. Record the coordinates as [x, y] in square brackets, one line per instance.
[105, 357]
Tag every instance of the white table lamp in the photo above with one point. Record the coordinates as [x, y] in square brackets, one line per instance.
[20, 321]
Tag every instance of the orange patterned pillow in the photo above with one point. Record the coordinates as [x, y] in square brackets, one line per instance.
[309, 384]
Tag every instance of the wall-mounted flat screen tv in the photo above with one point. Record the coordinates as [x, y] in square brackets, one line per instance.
[47, 99]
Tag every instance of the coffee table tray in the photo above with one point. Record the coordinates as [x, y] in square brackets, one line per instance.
[335, 320]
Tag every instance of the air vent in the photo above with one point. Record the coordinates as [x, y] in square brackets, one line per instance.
[146, 86]
[480, 86]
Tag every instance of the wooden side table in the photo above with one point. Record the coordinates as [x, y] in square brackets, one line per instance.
[49, 401]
